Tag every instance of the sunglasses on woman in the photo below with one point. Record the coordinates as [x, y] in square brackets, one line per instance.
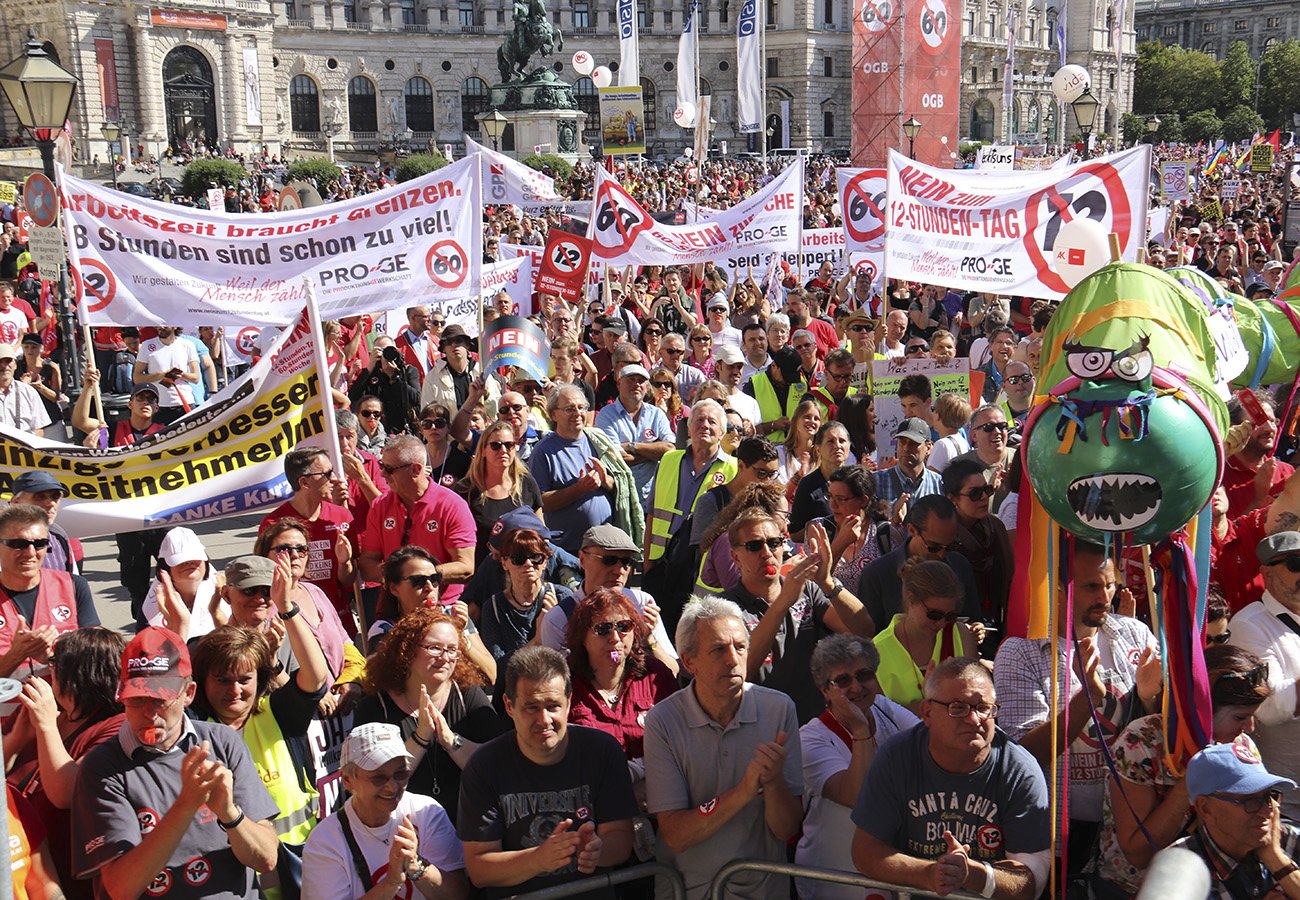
[534, 559]
[501, 445]
[935, 615]
[420, 582]
[980, 493]
[603, 629]
[440, 422]
[863, 677]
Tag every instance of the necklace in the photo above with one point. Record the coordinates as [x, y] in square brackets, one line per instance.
[610, 697]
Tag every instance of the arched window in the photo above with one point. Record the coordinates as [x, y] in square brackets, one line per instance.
[189, 94]
[1049, 123]
[362, 112]
[588, 99]
[474, 99]
[419, 104]
[304, 104]
[648, 98]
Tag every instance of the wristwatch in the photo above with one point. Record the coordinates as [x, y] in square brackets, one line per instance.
[417, 871]
[456, 743]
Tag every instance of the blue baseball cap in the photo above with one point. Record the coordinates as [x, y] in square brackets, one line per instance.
[1235, 768]
[523, 517]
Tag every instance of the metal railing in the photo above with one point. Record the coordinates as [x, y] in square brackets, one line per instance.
[610, 879]
[717, 888]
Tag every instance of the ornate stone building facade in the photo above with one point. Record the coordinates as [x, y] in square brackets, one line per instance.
[1211, 25]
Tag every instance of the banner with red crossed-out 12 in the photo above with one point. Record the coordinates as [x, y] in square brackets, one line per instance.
[986, 232]
[136, 261]
[623, 233]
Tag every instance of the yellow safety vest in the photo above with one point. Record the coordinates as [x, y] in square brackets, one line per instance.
[275, 766]
[664, 503]
[824, 400]
[769, 407]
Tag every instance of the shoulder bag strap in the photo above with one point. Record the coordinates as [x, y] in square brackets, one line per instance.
[358, 859]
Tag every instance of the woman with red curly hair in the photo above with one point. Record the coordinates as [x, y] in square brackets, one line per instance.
[421, 680]
[616, 680]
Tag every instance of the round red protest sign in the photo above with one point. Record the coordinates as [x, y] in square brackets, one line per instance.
[864, 204]
[1096, 191]
[97, 284]
[865, 267]
[933, 22]
[246, 340]
[877, 15]
[447, 264]
[41, 199]
[617, 221]
[566, 257]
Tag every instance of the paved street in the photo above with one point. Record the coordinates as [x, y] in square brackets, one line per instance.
[224, 538]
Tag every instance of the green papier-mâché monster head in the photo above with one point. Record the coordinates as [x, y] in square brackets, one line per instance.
[1125, 437]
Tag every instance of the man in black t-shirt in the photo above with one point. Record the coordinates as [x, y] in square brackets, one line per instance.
[550, 802]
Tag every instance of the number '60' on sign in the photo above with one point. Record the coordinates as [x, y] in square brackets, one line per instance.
[447, 264]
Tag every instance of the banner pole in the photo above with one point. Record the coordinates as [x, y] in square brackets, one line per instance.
[97, 403]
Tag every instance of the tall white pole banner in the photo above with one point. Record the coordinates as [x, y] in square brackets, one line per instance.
[141, 262]
[749, 67]
[686, 87]
[1024, 235]
[629, 53]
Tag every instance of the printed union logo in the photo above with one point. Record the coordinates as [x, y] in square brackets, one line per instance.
[748, 13]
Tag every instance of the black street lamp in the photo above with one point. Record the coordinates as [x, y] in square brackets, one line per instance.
[1153, 125]
[41, 93]
[111, 132]
[911, 128]
[495, 125]
[1085, 113]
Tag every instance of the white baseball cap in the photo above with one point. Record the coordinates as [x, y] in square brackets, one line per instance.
[371, 745]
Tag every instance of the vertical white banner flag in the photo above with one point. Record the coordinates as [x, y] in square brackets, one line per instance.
[686, 87]
[252, 87]
[702, 116]
[749, 67]
[629, 52]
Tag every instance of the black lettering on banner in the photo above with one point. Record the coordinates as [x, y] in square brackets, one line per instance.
[1091, 203]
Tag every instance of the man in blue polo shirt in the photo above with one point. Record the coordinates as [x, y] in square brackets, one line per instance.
[641, 429]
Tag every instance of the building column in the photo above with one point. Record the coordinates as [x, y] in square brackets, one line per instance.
[149, 98]
[231, 84]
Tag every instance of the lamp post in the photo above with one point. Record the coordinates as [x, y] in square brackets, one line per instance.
[111, 132]
[1085, 113]
[41, 93]
[911, 128]
[1153, 125]
[495, 125]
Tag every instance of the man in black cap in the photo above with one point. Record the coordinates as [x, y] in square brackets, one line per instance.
[909, 477]
[778, 391]
[44, 490]
[449, 380]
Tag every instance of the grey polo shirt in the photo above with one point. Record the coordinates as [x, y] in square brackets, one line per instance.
[690, 759]
[123, 791]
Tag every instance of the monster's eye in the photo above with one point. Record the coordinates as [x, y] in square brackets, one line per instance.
[1087, 362]
[1134, 366]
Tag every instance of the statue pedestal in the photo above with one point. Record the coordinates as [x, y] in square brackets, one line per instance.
[541, 111]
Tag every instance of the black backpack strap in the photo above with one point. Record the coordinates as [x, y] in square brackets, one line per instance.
[358, 859]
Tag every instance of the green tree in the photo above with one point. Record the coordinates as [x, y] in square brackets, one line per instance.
[1237, 74]
[418, 164]
[319, 172]
[1171, 129]
[203, 173]
[558, 165]
[1242, 124]
[1171, 79]
[1133, 128]
[1279, 83]
[1203, 126]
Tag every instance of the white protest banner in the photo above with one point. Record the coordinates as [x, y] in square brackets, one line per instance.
[887, 374]
[625, 234]
[819, 245]
[225, 458]
[1158, 225]
[514, 276]
[1230, 189]
[1175, 181]
[862, 207]
[141, 262]
[995, 158]
[508, 181]
[992, 232]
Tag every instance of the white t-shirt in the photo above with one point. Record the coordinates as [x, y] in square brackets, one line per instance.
[13, 325]
[945, 450]
[161, 358]
[746, 405]
[328, 872]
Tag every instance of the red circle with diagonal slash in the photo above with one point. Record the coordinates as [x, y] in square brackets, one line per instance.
[246, 340]
[1119, 212]
[41, 199]
[454, 264]
[870, 227]
[608, 243]
[97, 285]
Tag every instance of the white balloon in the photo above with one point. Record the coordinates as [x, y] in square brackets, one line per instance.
[943, 139]
[583, 63]
[601, 76]
[1082, 247]
[684, 114]
[1069, 82]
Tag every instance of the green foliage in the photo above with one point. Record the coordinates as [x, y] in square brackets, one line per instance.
[1171, 79]
[1237, 74]
[1133, 128]
[1203, 126]
[558, 165]
[969, 148]
[1242, 124]
[1171, 129]
[200, 174]
[319, 172]
[1279, 80]
[418, 164]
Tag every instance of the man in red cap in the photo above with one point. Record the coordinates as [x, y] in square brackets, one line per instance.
[171, 806]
